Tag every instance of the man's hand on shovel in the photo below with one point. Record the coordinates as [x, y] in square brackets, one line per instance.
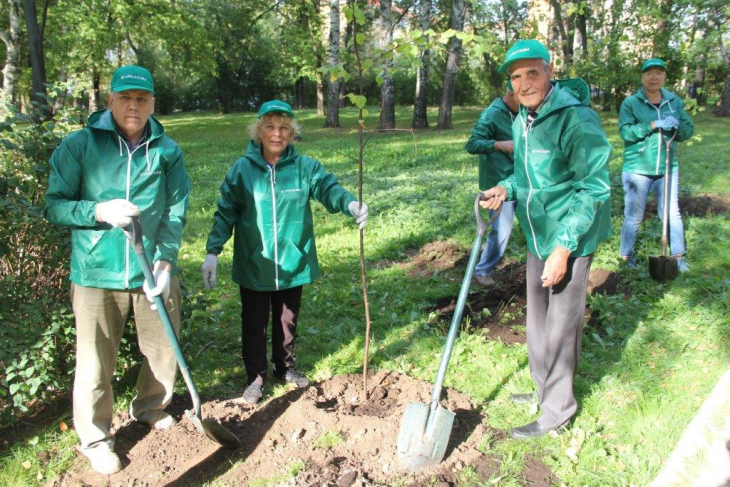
[162, 277]
[494, 197]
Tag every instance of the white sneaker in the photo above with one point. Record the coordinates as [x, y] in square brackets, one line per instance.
[157, 419]
[103, 460]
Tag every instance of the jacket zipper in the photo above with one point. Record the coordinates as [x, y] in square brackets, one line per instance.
[128, 247]
[661, 137]
[526, 128]
[272, 178]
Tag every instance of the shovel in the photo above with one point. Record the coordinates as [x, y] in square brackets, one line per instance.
[663, 268]
[210, 428]
[425, 431]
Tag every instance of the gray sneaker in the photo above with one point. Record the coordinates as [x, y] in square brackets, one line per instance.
[103, 460]
[682, 265]
[485, 281]
[293, 377]
[253, 394]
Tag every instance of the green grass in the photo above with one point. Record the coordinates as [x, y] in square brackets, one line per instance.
[642, 375]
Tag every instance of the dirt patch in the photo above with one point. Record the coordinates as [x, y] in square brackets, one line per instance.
[699, 205]
[434, 257]
[500, 310]
[537, 473]
[288, 433]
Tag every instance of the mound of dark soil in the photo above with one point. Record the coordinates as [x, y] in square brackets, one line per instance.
[697, 205]
[288, 430]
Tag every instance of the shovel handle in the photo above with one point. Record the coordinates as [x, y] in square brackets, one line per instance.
[133, 232]
[459, 309]
[667, 189]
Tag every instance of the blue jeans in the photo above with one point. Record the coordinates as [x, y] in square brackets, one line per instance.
[636, 190]
[497, 239]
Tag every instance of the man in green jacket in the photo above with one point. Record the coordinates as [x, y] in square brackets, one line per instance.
[562, 185]
[120, 165]
[491, 138]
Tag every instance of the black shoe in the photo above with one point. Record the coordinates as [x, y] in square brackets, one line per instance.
[291, 376]
[529, 398]
[253, 394]
[533, 430]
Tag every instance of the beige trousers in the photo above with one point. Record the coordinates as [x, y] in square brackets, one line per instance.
[101, 315]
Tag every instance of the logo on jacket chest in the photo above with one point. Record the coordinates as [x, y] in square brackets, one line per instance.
[146, 174]
[541, 151]
[291, 190]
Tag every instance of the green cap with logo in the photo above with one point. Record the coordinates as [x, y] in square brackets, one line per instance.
[525, 49]
[132, 78]
[276, 106]
[654, 62]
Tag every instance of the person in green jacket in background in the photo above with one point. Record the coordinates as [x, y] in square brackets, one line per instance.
[650, 120]
[265, 205]
[562, 187]
[491, 138]
[120, 165]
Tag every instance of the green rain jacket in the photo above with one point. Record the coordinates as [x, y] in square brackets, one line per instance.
[494, 124]
[561, 177]
[645, 149]
[94, 165]
[268, 206]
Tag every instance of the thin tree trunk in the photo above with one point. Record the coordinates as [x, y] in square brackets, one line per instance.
[299, 93]
[458, 15]
[580, 35]
[61, 100]
[333, 93]
[95, 95]
[12, 40]
[660, 45]
[566, 46]
[387, 95]
[420, 107]
[37, 58]
[724, 110]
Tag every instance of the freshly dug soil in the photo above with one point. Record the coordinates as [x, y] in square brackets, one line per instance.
[289, 430]
[697, 205]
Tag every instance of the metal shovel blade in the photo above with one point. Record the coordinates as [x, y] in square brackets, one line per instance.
[422, 440]
[214, 431]
[662, 268]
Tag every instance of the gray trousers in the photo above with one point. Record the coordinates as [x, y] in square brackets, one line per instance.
[101, 315]
[555, 318]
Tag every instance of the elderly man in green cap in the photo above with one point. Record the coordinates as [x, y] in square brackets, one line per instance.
[119, 166]
[562, 187]
[265, 205]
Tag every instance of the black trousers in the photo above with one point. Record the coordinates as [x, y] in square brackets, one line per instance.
[255, 306]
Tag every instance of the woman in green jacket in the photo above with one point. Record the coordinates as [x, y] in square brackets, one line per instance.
[264, 203]
[649, 121]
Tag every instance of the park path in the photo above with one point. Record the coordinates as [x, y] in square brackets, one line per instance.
[701, 458]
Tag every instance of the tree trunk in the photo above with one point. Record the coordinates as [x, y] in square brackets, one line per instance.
[660, 45]
[724, 110]
[580, 35]
[566, 46]
[387, 95]
[299, 93]
[458, 15]
[37, 58]
[420, 107]
[60, 101]
[12, 41]
[333, 93]
[320, 93]
[94, 93]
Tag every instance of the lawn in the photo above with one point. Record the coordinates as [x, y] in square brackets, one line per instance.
[650, 355]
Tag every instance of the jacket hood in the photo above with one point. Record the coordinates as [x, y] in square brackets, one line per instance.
[253, 153]
[103, 120]
[499, 104]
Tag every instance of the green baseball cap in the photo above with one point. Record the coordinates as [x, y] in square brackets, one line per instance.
[277, 106]
[653, 63]
[525, 49]
[132, 78]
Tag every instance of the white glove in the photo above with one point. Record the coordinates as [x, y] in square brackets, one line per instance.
[361, 213]
[209, 273]
[117, 213]
[162, 286]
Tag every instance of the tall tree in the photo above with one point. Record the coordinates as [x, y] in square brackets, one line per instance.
[12, 39]
[333, 93]
[387, 95]
[458, 17]
[37, 57]
[420, 115]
